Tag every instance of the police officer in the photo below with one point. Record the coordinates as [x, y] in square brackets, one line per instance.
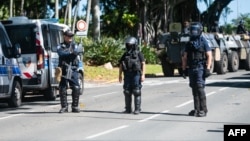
[241, 28]
[197, 58]
[68, 62]
[185, 29]
[132, 77]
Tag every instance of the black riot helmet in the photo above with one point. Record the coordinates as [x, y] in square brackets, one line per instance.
[241, 22]
[195, 30]
[131, 43]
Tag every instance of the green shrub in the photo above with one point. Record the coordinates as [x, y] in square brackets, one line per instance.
[103, 51]
[149, 54]
[106, 50]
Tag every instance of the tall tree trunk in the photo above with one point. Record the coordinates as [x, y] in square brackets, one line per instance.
[21, 10]
[96, 19]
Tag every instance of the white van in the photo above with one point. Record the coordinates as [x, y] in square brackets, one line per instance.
[10, 74]
[39, 40]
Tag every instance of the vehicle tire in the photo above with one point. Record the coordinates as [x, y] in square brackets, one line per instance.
[247, 62]
[81, 82]
[233, 61]
[222, 65]
[16, 95]
[50, 93]
[167, 69]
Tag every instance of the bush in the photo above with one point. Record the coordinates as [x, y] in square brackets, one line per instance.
[97, 53]
[103, 51]
[149, 54]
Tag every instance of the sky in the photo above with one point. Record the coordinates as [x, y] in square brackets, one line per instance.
[237, 6]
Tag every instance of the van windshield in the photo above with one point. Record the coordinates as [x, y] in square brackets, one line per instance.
[24, 35]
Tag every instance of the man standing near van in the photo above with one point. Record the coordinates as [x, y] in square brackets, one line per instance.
[68, 62]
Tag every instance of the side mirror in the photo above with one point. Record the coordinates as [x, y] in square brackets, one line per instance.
[17, 51]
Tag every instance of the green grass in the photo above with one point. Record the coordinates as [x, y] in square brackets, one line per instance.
[99, 73]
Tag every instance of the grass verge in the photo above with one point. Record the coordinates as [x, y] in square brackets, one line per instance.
[101, 74]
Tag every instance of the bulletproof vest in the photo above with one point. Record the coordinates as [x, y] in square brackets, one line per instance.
[196, 52]
[69, 59]
[132, 61]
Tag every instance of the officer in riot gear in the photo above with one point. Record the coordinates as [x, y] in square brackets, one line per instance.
[132, 65]
[68, 62]
[241, 28]
[197, 59]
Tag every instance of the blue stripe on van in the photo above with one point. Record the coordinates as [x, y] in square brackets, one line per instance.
[15, 70]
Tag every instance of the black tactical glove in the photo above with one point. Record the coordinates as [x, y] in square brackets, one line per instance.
[207, 73]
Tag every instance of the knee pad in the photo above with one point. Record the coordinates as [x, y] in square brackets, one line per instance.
[126, 92]
[75, 90]
[136, 92]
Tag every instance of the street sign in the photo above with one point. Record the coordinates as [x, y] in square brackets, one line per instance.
[81, 33]
[81, 25]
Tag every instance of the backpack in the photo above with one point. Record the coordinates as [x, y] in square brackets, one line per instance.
[131, 61]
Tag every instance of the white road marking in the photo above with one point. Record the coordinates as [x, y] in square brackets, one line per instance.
[106, 132]
[104, 94]
[183, 104]
[153, 116]
[10, 116]
[221, 89]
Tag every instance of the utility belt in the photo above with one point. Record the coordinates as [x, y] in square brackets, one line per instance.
[196, 64]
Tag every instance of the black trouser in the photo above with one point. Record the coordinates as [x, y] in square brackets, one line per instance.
[74, 85]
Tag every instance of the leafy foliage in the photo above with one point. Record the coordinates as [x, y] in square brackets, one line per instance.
[149, 54]
[97, 53]
[102, 51]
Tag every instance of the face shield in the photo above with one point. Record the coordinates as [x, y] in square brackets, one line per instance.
[195, 31]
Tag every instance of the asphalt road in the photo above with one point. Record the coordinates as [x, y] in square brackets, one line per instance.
[165, 104]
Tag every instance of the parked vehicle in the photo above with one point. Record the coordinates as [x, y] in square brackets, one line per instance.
[10, 74]
[230, 52]
[39, 40]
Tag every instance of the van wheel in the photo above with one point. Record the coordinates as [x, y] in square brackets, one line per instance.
[16, 95]
[50, 94]
[81, 82]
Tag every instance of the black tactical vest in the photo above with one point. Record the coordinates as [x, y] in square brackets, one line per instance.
[132, 61]
[196, 53]
[71, 59]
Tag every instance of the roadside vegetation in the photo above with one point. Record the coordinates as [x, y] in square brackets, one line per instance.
[109, 50]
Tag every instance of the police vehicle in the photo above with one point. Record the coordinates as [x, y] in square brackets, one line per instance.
[39, 39]
[10, 74]
[230, 51]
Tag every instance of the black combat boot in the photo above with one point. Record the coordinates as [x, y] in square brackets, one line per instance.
[137, 105]
[128, 99]
[75, 99]
[63, 99]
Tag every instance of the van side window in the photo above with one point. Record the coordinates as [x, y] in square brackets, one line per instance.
[4, 42]
[55, 39]
[24, 36]
[45, 37]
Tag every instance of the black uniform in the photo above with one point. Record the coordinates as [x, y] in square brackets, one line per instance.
[196, 58]
[68, 61]
[241, 29]
[132, 79]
